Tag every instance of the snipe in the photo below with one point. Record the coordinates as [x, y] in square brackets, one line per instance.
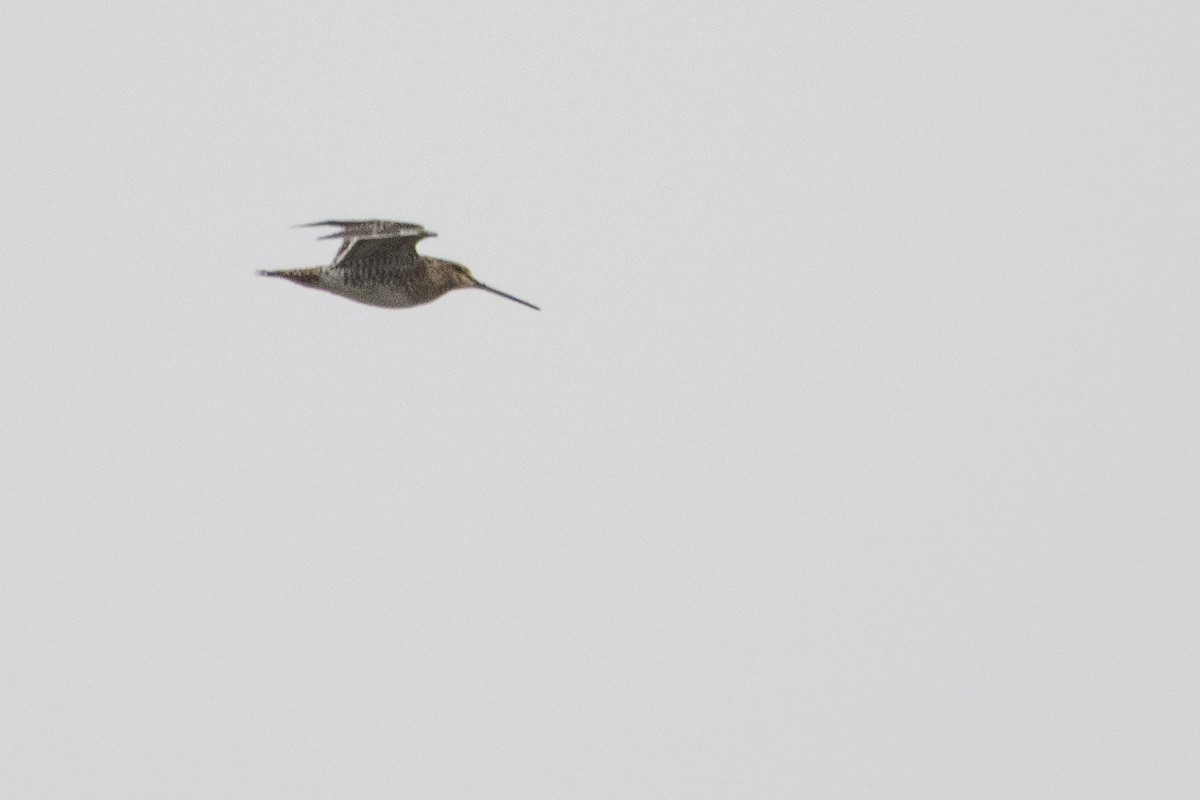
[378, 264]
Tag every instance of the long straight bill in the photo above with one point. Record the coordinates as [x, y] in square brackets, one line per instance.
[509, 296]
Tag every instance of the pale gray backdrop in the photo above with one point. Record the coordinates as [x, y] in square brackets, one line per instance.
[855, 453]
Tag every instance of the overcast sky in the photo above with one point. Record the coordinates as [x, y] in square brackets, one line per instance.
[855, 453]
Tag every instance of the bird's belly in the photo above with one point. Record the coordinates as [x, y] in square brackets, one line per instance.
[372, 294]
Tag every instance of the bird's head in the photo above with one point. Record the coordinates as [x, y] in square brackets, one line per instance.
[460, 277]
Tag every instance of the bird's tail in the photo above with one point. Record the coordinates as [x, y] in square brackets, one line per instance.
[307, 276]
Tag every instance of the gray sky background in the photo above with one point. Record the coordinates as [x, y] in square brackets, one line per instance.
[855, 453]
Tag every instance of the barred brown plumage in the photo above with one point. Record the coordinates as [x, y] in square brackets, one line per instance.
[378, 264]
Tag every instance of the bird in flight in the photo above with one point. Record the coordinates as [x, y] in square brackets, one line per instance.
[378, 264]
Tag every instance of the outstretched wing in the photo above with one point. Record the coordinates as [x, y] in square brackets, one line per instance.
[378, 242]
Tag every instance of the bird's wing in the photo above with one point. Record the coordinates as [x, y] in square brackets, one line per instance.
[375, 240]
